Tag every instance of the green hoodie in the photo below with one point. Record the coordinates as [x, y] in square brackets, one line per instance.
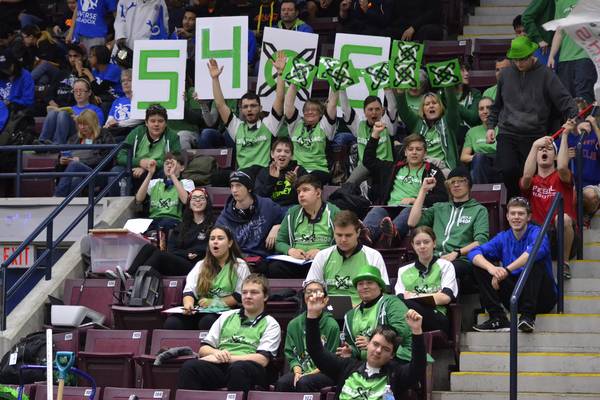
[446, 127]
[168, 143]
[295, 341]
[388, 310]
[456, 227]
[537, 13]
[298, 221]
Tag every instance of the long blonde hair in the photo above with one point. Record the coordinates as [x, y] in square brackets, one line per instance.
[439, 101]
[89, 118]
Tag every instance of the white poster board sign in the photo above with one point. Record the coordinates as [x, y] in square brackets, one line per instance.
[226, 40]
[363, 51]
[158, 76]
[293, 43]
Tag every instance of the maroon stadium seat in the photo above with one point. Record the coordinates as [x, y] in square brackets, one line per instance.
[442, 50]
[256, 395]
[118, 393]
[482, 79]
[38, 187]
[224, 156]
[487, 51]
[69, 393]
[66, 341]
[208, 395]
[97, 294]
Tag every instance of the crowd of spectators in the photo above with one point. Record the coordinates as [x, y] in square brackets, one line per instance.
[418, 154]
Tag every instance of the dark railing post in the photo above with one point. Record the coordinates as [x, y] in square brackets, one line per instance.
[19, 170]
[560, 256]
[579, 191]
[50, 247]
[91, 188]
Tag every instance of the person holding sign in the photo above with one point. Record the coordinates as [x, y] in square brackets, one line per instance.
[214, 282]
[380, 372]
[429, 284]
[252, 134]
[310, 132]
[361, 127]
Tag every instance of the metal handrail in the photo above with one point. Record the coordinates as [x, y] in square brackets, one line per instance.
[48, 222]
[557, 205]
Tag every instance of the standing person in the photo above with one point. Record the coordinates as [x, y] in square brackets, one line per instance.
[239, 345]
[338, 265]
[303, 375]
[89, 22]
[537, 13]
[428, 276]
[527, 94]
[371, 378]
[137, 20]
[496, 284]
[542, 179]
[251, 133]
[214, 282]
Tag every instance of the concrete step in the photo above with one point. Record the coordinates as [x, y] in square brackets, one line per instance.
[582, 305]
[504, 396]
[531, 362]
[505, 3]
[491, 19]
[582, 287]
[586, 268]
[487, 29]
[528, 381]
[578, 323]
[591, 251]
[500, 10]
[555, 342]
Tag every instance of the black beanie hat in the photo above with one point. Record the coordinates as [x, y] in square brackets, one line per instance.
[462, 172]
[243, 178]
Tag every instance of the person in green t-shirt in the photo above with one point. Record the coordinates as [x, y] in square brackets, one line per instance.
[214, 284]
[477, 152]
[310, 132]
[251, 133]
[238, 347]
[303, 375]
[429, 284]
[574, 68]
[168, 195]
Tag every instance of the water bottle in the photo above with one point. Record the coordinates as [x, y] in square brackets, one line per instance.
[388, 394]
[123, 187]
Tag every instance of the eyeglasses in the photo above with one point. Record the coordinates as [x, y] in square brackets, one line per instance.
[457, 181]
[198, 198]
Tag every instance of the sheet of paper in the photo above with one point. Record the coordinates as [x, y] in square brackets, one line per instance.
[289, 259]
[137, 225]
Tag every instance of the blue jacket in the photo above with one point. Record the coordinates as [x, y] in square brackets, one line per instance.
[506, 248]
[251, 232]
[19, 91]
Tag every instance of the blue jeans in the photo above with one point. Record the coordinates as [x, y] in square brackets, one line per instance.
[482, 169]
[376, 214]
[44, 70]
[579, 77]
[58, 127]
[213, 139]
[66, 184]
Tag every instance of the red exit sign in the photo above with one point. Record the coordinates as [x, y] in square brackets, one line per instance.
[23, 260]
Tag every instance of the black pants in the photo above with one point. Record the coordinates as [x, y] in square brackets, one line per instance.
[538, 295]
[511, 153]
[464, 276]
[200, 321]
[309, 383]
[166, 264]
[276, 269]
[432, 320]
[203, 375]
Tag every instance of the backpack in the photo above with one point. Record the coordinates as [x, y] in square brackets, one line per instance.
[29, 350]
[18, 129]
[348, 197]
[146, 290]
[200, 170]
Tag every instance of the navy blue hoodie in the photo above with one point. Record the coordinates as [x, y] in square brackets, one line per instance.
[251, 230]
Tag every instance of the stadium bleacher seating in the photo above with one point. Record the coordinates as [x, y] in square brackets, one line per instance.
[487, 51]
[69, 393]
[116, 393]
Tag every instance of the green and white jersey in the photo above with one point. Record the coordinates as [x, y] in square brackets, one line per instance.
[359, 385]
[233, 332]
[337, 271]
[310, 143]
[253, 142]
[224, 284]
[438, 276]
[476, 139]
[362, 130]
[164, 202]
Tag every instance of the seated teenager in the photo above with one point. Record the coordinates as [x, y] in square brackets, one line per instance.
[428, 276]
[104, 76]
[88, 132]
[303, 375]
[399, 184]
[167, 195]
[239, 345]
[496, 283]
[254, 220]
[119, 121]
[338, 265]
[215, 282]
[277, 180]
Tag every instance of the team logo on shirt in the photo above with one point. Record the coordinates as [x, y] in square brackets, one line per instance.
[122, 112]
[88, 5]
[342, 282]
[5, 91]
[426, 288]
[464, 220]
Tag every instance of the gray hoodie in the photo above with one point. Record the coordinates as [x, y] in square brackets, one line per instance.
[526, 101]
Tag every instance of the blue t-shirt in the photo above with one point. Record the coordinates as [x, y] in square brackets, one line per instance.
[90, 17]
[112, 74]
[120, 109]
[78, 110]
[591, 158]
[3, 115]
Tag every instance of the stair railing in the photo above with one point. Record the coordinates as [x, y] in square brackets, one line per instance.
[557, 208]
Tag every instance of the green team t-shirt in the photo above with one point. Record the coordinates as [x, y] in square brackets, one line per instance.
[241, 337]
[359, 386]
[253, 143]
[339, 273]
[434, 144]
[569, 50]
[224, 283]
[310, 143]
[477, 141]
[414, 103]
[406, 184]
[165, 202]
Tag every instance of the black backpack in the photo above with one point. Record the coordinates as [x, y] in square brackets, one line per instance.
[29, 350]
[348, 197]
[146, 290]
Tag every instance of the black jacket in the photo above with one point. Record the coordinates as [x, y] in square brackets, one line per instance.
[400, 376]
[526, 100]
[277, 189]
[384, 174]
[193, 240]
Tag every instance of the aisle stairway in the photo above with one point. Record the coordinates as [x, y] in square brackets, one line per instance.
[493, 19]
[561, 360]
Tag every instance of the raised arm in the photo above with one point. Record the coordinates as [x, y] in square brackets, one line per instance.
[142, 192]
[289, 106]
[531, 164]
[562, 159]
[279, 65]
[417, 208]
[215, 71]
[407, 115]
[331, 107]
